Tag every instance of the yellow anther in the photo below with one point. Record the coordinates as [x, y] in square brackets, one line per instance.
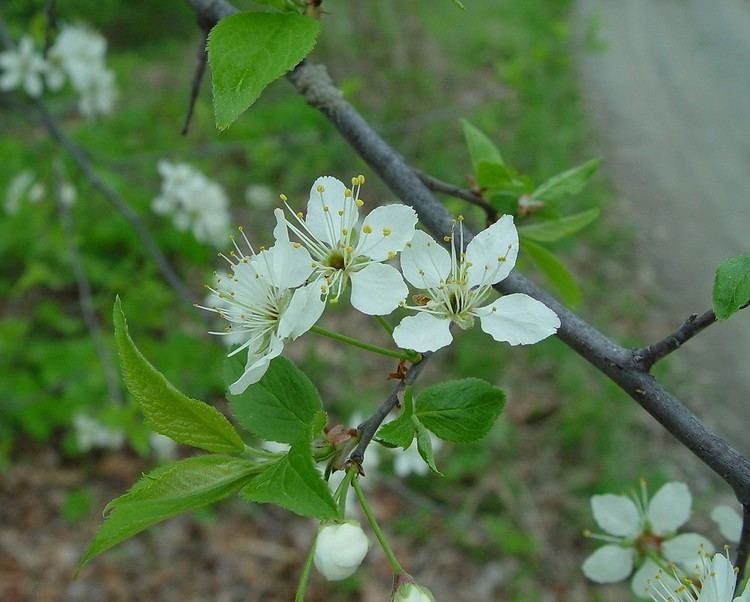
[344, 231]
[460, 218]
[361, 179]
[391, 254]
[296, 245]
[409, 245]
[386, 231]
[586, 533]
[347, 193]
[300, 214]
[333, 300]
[501, 259]
[355, 181]
[262, 248]
[325, 208]
[360, 202]
[349, 249]
[447, 238]
[340, 212]
[283, 197]
[367, 229]
[320, 188]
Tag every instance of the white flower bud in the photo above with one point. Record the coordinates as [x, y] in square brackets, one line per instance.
[340, 549]
[411, 592]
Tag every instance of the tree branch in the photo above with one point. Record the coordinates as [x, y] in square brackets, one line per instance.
[460, 193]
[743, 547]
[195, 86]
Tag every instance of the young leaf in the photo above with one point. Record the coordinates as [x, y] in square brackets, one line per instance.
[249, 50]
[167, 491]
[554, 230]
[554, 270]
[731, 286]
[459, 410]
[486, 159]
[167, 410]
[566, 183]
[400, 432]
[424, 447]
[293, 482]
[278, 408]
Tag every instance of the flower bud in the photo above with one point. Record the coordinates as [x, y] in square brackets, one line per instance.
[340, 549]
[411, 592]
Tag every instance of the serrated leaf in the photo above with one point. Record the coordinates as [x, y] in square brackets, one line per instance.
[424, 447]
[460, 410]
[280, 407]
[553, 270]
[557, 229]
[566, 183]
[167, 491]
[294, 482]
[249, 50]
[400, 432]
[167, 410]
[731, 286]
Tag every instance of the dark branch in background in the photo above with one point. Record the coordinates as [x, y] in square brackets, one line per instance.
[743, 548]
[460, 193]
[195, 86]
[50, 22]
[370, 426]
[617, 362]
[85, 300]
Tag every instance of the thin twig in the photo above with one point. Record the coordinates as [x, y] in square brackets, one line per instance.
[195, 87]
[49, 25]
[743, 547]
[460, 193]
[370, 426]
[85, 298]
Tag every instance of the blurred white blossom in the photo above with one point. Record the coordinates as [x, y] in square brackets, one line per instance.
[340, 549]
[729, 522]
[410, 462]
[92, 434]
[259, 196]
[162, 446]
[18, 190]
[194, 201]
[22, 67]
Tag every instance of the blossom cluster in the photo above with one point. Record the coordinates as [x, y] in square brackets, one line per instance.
[275, 295]
[26, 187]
[642, 534]
[193, 200]
[77, 55]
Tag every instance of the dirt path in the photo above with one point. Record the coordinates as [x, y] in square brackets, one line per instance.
[670, 93]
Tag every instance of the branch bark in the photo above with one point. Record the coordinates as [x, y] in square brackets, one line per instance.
[437, 185]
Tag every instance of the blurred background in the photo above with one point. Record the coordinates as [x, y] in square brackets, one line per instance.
[553, 84]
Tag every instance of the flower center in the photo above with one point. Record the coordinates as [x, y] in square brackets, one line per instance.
[648, 542]
[335, 260]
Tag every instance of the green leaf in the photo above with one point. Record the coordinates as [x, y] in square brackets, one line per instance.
[424, 447]
[566, 183]
[249, 50]
[554, 230]
[493, 176]
[459, 410]
[459, 4]
[486, 160]
[281, 406]
[731, 286]
[293, 482]
[167, 491]
[554, 271]
[400, 432]
[167, 410]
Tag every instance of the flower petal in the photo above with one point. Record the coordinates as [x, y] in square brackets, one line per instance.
[518, 319]
[616, 515]
[645, 580]
[669, 509]
[719, 582]
[283, 265]
[385, 231]
[686, 548]
[326, 224]
[729, 522]
[256, 366]
[423, 332]
[492, 253]
[377, 289]
[609, 564]
[424, 262]
[304, 310]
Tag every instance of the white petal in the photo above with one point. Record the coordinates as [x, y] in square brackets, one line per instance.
[729, 522]
[386, 230]
[326, 225]
[377, 289]
[304, 310]
[609, 564]
[257, 364]
[518, 319]
[720, 582]
[492, 253]
[669, 509]
[686, 549]
[33, 85]
[424, 262]
[423, 332]
[644, 580]
[283, 265]
[616, 515]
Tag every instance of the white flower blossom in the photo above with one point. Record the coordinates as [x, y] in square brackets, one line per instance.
[97, 94]
[411, 592]
[715, 581]
[18, 190]
[90, 434]
[729, 522]
[232, 337]
[259, 196]
[162, 446]
[194, 201]
[344, 251]
[22, 67]
[409, 461]
[340, 549]
[260, 303]
[636, 528]
[457, 286]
